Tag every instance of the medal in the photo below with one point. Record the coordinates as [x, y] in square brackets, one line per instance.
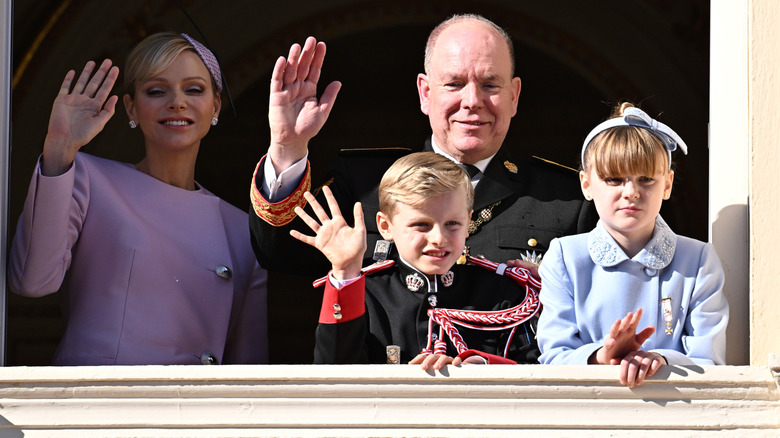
[484, 216]
[393, 354]
[533, 257]
[666, 304]
[381, 249]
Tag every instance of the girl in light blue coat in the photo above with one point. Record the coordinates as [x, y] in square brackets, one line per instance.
[631, 271]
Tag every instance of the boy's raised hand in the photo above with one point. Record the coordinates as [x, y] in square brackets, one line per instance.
[341, 244]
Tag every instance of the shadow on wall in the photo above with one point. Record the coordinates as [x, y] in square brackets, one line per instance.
[729, 231]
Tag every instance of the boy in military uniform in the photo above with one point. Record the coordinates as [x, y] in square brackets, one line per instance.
[416, 297]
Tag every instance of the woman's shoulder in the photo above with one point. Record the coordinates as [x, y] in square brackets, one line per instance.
[94, 161]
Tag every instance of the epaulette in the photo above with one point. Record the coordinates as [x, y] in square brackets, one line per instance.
[375, 152]
[378, 266]
[553, 163]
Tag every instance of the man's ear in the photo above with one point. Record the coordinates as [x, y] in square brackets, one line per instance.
[516, 86]
[384, 225]
[424, 90]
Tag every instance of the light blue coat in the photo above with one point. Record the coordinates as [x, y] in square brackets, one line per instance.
[588, 283]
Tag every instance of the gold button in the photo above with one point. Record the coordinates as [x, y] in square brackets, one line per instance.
[532, 242]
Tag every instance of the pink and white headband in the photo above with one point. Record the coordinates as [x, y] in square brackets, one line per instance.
[208, 59]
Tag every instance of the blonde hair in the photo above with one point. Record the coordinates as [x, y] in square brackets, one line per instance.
[415, 178]
[625, 150]
[153, 55]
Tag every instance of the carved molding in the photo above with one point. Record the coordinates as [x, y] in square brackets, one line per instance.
[369, 400]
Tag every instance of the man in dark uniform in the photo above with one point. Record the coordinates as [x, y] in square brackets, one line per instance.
[470, 95]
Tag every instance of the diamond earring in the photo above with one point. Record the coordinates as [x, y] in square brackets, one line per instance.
[132, 124]
[214, 121]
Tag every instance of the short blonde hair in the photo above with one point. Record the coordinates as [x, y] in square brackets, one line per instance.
[153, 55]
[625, 150]
[415, 178]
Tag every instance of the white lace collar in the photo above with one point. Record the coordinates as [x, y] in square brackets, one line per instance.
[657, 254]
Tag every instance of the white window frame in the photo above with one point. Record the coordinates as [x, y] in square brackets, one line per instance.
[6, 64]
[729, 153]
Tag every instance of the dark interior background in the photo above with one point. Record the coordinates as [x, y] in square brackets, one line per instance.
[576, 59]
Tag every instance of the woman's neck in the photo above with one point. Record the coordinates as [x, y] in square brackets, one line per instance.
[174, 168]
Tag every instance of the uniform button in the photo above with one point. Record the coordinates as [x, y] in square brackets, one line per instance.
[208, 359]
[224, 272]
[532, 242]
[337, 315]
[336, 308]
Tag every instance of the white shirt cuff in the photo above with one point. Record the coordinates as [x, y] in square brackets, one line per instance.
[277, 188]
[338, 284]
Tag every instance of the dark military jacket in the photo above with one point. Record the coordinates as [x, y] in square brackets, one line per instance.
[395, 315]
[527, 204]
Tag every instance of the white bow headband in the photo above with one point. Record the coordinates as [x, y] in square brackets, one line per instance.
[633, 116]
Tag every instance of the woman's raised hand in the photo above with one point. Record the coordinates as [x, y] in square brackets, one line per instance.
[79, 113]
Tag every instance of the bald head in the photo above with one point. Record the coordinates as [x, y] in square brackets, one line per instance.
[471, 19]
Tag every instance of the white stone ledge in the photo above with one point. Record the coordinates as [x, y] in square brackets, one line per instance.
[385, 400]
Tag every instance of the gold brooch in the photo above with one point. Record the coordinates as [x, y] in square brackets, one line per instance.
[484, 216]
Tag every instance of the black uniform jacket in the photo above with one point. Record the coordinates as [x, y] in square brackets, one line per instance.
[394, 315]
[533, 202]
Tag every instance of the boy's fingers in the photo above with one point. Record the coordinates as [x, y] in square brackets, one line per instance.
[302, 237]
[308, 220]
[333, 205]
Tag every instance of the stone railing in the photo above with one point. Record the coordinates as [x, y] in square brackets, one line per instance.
[386, 400]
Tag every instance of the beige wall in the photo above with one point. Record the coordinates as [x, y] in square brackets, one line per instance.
[764, 138]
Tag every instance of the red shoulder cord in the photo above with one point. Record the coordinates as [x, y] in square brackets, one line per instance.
[447, 319]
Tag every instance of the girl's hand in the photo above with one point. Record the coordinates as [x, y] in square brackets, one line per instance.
[622, 339]
[637, 365]
[342, 245]
[78, 115]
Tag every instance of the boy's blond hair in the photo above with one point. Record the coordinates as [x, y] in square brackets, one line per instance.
[415, 178]
[625, 150]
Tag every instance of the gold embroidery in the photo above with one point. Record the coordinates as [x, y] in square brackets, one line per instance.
[279, 213]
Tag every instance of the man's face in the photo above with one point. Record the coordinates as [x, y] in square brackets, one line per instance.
[469, 93]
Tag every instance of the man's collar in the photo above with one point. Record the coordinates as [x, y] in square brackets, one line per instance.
[481, 164]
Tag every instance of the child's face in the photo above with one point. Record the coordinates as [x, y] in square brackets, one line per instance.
[628, 204]
[432, 236]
